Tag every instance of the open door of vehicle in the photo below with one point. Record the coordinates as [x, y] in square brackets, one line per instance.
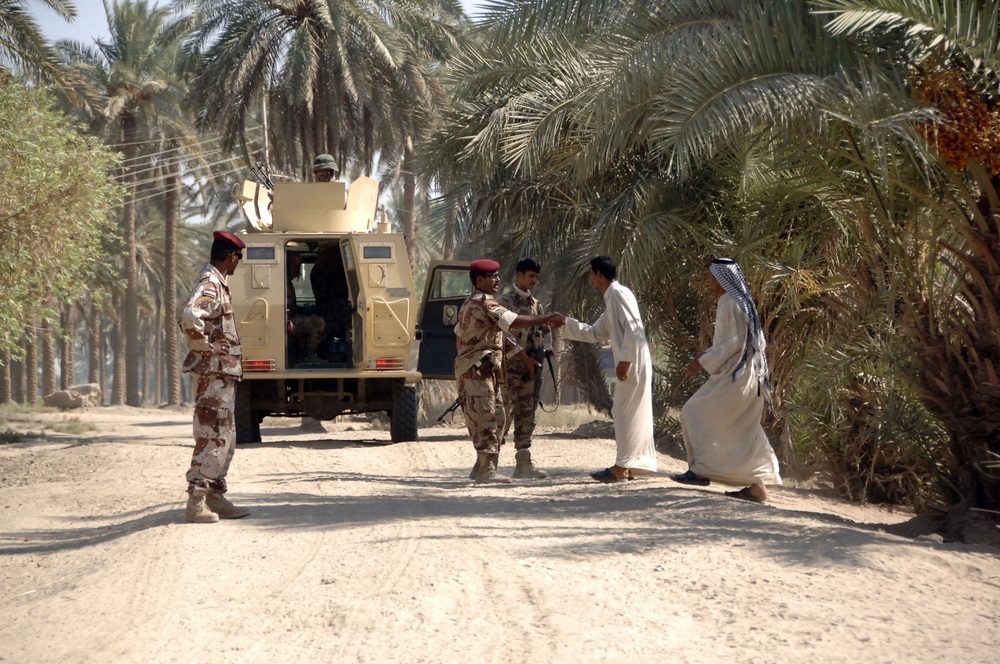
[447, 288]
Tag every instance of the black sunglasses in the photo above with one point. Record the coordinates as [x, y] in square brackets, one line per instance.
[238, 254]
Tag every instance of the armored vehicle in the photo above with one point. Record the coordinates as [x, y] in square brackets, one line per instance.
[326, 308]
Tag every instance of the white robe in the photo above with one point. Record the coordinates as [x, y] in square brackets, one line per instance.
[632, 410]
[721, 421]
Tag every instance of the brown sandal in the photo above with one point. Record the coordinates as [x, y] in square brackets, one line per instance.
[745, 494]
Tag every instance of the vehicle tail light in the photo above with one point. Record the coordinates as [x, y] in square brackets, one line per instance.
[387, 363]
[258, 365]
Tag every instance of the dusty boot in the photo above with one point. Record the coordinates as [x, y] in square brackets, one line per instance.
[219, 504]
[475, 469]
[525, 469]
[488, 470]
[197, 511]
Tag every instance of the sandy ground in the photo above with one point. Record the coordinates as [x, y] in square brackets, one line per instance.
[363, 551]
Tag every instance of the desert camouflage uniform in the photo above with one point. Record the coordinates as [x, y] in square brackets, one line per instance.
[519, 389]
[216, 362]
[479, 367]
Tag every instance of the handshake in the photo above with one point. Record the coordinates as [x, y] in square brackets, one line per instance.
[555, 320]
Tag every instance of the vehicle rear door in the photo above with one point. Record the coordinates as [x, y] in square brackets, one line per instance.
[447, 288]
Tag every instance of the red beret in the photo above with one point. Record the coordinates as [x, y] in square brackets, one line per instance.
[484, 265]
[226, 236]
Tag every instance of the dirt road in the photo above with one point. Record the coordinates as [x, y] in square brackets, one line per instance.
[362, 551]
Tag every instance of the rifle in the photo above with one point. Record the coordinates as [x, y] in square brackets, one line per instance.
[260, 175]
[540, 355]
[451, 409]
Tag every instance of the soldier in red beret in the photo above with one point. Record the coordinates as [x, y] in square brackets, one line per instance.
[215, 361]
[479, 367]
[227, 237]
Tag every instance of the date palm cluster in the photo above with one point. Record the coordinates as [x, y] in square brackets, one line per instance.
[967, 129]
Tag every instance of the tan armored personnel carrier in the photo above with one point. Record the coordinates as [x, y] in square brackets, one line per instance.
[326, 307]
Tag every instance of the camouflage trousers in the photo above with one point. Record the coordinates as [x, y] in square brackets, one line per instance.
[519, 400]
[214, 433]
[482, 405]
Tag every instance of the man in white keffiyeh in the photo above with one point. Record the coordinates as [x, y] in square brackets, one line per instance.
[721, 426]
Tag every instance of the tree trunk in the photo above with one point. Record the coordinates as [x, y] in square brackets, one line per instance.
[304, 139]
[17, 380]
[369, 135]
[30, 364]
[587, 368]
[318, 119]
[94, 344]
[155, 360]
[408, 219]
[68, 372]
[130, 312]
[103, 366]
[448, 252]
[146, 353]
[170, 213]
[118, 353]
[6, 391]
[48, 359]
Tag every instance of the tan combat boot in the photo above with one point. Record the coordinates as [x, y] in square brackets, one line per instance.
[475, 469]
[197, 511]
[219, 504]
[488, 470]
[525, 468]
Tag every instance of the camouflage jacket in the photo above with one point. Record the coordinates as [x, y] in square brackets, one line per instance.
[209, 326]
[480, 334]
[529, 338]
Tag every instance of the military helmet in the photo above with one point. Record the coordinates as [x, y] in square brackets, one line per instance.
[325, 162]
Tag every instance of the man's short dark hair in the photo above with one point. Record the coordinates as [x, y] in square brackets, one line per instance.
[605, 266]
[221, 250]
[528, 265]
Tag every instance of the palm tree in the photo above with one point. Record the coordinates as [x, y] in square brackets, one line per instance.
[22, 45]
[133, 73]
[703, 127]
[952, 52]
[336, 77]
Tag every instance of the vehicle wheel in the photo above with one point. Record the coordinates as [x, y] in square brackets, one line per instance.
[403, 417]
[247, 422]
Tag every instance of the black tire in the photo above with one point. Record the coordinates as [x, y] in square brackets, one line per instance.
[403, 416]
[247, 422]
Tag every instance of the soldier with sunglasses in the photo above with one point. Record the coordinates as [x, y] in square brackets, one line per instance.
[483, 350]
[216, 365]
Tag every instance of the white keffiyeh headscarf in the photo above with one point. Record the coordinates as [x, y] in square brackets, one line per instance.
[731, 278]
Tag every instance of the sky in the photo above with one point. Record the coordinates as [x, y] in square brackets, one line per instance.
[91, 22]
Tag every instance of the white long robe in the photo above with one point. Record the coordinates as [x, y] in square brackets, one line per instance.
[720, 423]
[632, 409]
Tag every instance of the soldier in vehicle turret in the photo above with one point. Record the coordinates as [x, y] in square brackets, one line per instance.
[325, 168]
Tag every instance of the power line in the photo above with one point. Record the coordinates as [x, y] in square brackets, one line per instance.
[151, 155]
[160, 140]
[176, 160]
[155, 192]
